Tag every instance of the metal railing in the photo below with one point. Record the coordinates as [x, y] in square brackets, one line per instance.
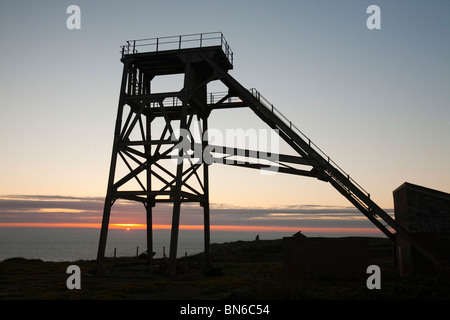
[199, 40]
[215, 97]
[211, 98]
[269, 106]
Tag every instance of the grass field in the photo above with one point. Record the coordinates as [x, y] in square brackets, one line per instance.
[241, 270]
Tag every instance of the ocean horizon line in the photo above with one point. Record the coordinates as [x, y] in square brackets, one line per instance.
[230, 228]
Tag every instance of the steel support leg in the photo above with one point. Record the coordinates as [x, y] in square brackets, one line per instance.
[109, 200]
[207, 238]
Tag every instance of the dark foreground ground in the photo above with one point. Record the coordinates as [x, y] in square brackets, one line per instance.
[241, 270]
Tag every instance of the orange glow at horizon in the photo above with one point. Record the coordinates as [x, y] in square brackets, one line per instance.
[134, 226]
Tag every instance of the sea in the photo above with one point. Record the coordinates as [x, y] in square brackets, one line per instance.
[72, 244]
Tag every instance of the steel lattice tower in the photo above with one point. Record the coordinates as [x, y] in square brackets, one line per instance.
[157, 119]
[146, 140]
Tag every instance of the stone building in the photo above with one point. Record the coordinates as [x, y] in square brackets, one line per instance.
[425, 214]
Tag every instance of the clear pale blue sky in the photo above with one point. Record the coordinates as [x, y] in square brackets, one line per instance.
[377, 101]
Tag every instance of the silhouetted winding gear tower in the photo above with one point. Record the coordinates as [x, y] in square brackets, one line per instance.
[148, 138]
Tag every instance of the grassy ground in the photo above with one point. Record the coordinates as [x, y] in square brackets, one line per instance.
[240, 270]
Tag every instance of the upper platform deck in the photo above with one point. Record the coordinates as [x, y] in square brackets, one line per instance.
[162, 55]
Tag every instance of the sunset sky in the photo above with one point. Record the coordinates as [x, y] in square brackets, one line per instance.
[376, 101]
